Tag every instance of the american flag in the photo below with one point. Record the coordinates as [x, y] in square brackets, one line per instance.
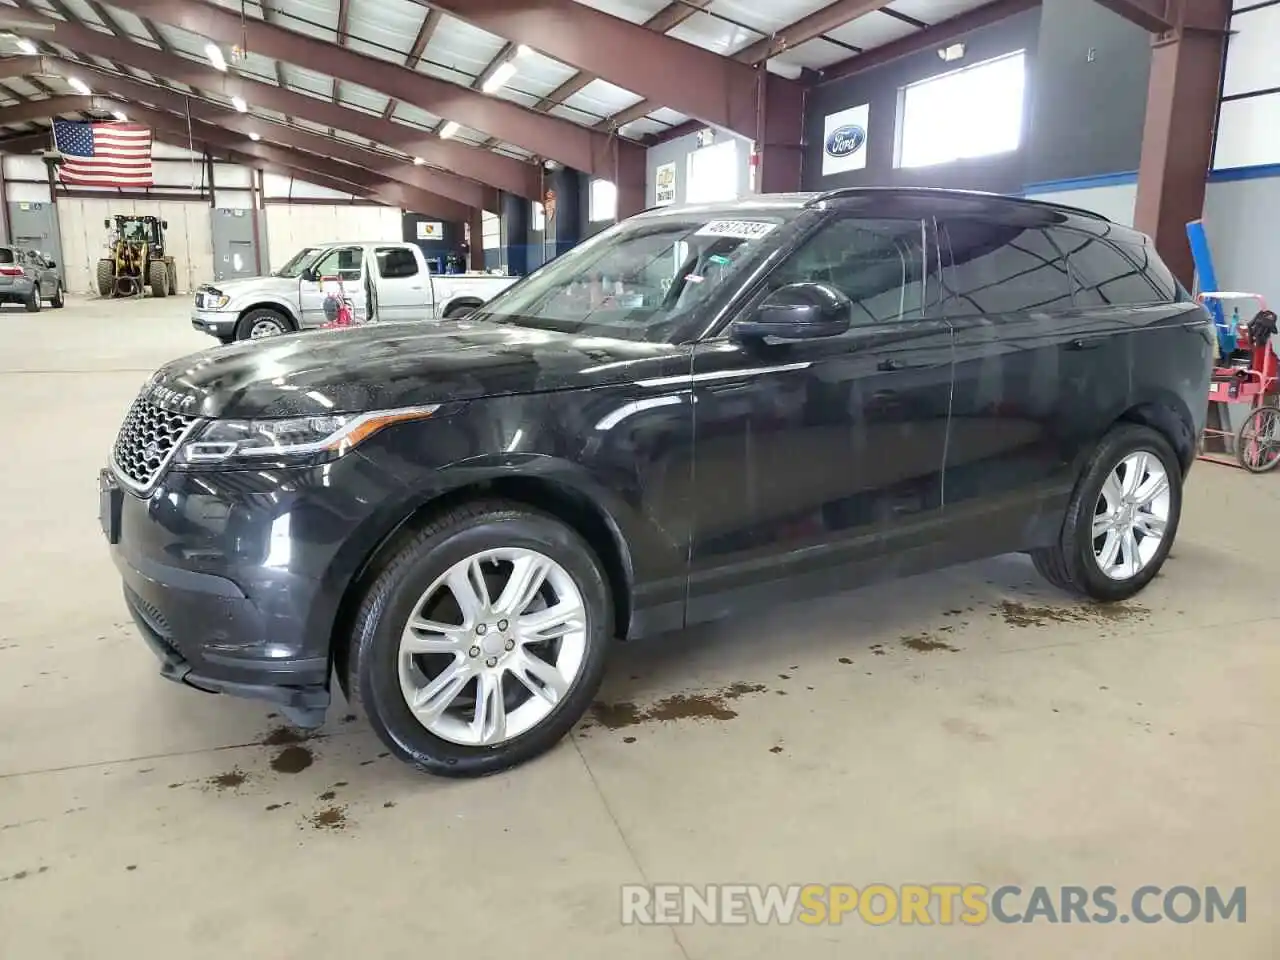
[103, 154]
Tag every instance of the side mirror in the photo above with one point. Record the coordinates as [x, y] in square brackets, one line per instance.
[50, 264]
[107, 223]
[798, 311]
[164, 224]
[309, 275]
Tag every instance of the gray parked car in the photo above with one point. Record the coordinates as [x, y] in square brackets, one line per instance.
[29, 277]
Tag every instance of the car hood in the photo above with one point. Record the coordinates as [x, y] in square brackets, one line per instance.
[259, 286]
[390, 365]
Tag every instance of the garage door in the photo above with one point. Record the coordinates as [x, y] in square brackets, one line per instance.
[189, 238]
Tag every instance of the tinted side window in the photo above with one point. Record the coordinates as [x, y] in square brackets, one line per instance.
[1158, 275]
[878, 264]
[1105, 276]
[396, 263]
[1002, 268]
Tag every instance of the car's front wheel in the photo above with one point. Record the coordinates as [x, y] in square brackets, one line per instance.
[1122, 519]
[482, 640]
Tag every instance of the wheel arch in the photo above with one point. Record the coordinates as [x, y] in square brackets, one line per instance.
[553, 495]
[1169, 416]
[273, 305]
[470, 302]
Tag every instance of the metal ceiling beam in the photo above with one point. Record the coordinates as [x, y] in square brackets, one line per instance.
[354, 179]
[26, 143]
[663, 69]
[420, 42]
[14, 67]
[570, 144]
[934, 37]
[1154, 15]
[831, 17]
[508, 174]
[52, 107]
[668, 18]
[467, 193]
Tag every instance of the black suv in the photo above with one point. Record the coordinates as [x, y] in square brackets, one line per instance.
[701, 410]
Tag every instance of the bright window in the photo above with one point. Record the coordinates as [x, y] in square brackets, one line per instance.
[604, 200]
[539, 217]
[972, 112]
[492, 231]
[713, 173]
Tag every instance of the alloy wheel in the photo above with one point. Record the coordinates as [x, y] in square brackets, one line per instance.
[264, 328]
[1131, 516]
[493, 646]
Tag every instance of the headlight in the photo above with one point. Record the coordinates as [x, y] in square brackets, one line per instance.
[211, 300]
[302, 439]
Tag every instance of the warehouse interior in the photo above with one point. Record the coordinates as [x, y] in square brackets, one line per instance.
[973, 726]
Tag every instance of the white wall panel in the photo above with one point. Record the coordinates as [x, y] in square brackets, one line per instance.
[1239, 217]
[1252, 63]
[233, 199]
[290, 227]
[1113, 201]
[22, 167]
[188, 239]
[27, 192]
[1248, 133]
[232, 175]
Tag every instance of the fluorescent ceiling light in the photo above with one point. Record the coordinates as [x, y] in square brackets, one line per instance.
[239, 104]
[418, 161]
[523, 51]
[255, 136]
[119, 116]
[214, 53]
[500, 76]
[27, 47]
[448, 130]
[79, 85]
[953, 52]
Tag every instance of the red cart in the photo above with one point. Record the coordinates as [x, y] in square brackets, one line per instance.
[1248, 375]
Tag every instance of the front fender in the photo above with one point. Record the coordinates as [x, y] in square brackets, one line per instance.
[243, 304]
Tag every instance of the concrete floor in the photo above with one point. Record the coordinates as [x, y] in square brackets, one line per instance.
[1053, 746]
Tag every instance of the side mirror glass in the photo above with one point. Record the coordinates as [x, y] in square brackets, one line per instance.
[798, 311]
[51, 263]
[107, 223]
[164, 224]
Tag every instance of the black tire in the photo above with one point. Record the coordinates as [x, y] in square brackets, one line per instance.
[372, 676]
[244, 329]
[1071, 565]
[58, 301]
[106, 278]
[32, 303]
[158, 278]
[172, 269]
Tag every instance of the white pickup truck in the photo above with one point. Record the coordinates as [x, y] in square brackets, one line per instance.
[383, 280]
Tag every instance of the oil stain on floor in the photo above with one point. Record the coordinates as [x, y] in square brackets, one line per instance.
[330, 818]
[292, 759]
[231, 780]
[680, 706]
[926, 643]
[1024, 615]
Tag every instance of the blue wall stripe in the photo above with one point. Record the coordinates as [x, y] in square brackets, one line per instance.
[1229, 174]
[1081, 183]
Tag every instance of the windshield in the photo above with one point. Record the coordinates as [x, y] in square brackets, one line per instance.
[297, 263]
[639, 280]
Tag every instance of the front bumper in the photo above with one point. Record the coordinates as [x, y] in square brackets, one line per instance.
[216, 323]
[235, 579]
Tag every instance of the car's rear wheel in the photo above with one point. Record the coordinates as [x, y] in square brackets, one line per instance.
[32, 303]
[57, 300]
[1122, 518]
[482, 640]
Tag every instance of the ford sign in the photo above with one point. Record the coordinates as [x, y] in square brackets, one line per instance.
[845, 140]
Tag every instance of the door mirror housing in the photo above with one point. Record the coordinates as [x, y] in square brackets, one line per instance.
[798, 311]
[50, 264]
[309, 275]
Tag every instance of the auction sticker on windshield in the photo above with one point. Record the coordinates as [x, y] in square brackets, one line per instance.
[741, 229]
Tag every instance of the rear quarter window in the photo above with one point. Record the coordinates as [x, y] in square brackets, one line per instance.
[1104, 274]
[6, 255]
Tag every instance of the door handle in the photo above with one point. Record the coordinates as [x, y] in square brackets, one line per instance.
[889, 365]
[1091, 343]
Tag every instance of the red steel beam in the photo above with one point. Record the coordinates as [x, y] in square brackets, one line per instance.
[506, 173]
[663, 69]
[27, 142]
[830, 17]
[354, 179]
[570, 144]
[936, 36]
[1154, 15]
[466, 192]
[50, 107]
[14, 67]
[425, 32]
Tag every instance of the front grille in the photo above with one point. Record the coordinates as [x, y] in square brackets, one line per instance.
[148, 437]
